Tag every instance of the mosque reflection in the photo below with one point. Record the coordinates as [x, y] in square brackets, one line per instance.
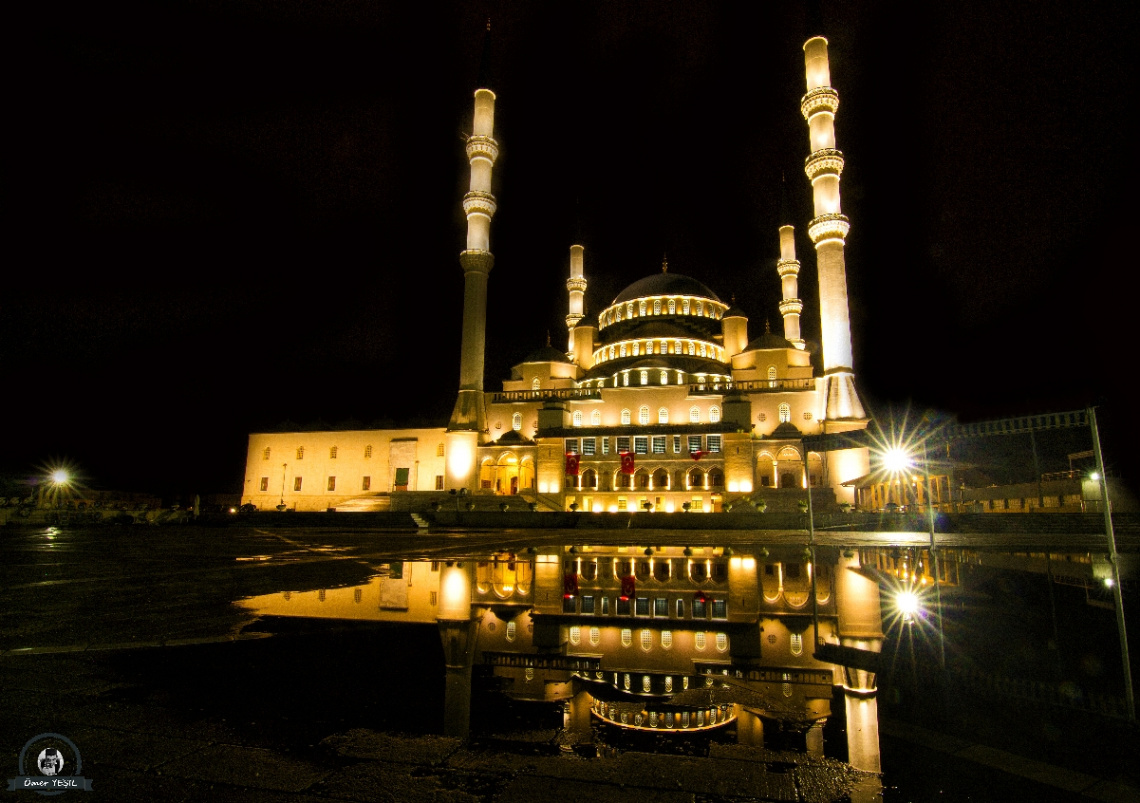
[667, 640]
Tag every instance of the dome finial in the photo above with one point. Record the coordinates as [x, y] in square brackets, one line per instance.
[548, 338]
[664, 263]
[767, 326]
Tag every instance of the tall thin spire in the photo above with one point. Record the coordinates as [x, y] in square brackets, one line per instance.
[828, 230]
[788, 267]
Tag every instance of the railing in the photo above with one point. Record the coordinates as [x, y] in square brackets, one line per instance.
[545, 395]
[754, 386]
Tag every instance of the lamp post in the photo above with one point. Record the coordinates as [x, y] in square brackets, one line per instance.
[284, 468]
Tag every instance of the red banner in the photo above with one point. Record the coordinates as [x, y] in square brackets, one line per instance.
[572, 464]
[569, 584]
[627, 463]
[697, 455]
[628, 587]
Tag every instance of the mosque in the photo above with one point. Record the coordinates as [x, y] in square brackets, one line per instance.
[661, 401]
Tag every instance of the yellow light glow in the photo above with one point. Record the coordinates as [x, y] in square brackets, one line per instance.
[60, 476]
[733, 487]
[542, 488]
[745, 487]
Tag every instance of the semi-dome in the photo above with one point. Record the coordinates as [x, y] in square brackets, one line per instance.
[665, 284]
[546, 354]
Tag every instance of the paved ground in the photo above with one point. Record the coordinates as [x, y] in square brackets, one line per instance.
[125, 640]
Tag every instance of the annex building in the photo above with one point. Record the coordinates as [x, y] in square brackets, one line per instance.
[662, 400]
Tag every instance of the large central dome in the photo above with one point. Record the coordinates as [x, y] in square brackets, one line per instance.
[665, 284]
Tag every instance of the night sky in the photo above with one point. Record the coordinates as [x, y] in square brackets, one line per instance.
[225, 216]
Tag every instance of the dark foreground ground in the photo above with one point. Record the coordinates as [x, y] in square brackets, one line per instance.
[125, 640]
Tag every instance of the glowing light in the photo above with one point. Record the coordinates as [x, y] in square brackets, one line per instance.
[907, 604]
[1095, 476]
[60, 476]
[1108, 582]
[896, 460]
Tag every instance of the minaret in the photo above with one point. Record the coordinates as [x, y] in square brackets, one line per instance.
[789, 269]
[827, 230]
[469, 418]
[581, 344]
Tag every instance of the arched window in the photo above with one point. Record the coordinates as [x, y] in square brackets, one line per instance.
[596, 417]
[672, 306]
[667, 642]
[512, 629]
[629, 309]
[332, 453]
[694, 415]
[663, 415]
[577, 418]
[664, 377]
[714, 414]
[646, 643]
[575, 635]
[685, 306]
[626, 640]
[656, 307]
[643, 415]
[699, 640]
[625, 378]
[772, 374]
[623, 349]
[664, 347]
[641, 308]
[645, 377]
[618, 313]
[300, 452]
[439, 449]
[595, 636]
[368, 451]
[692, 349]
[535, 384]
[265, 455]
[703, 350]
[625, 418]
[700, 308]
[785, 413]
[648, 346]
[589, 478]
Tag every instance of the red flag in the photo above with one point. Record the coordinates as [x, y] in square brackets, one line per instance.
[572, 464]
[569, 584]
[697, 455]
[628, 587]
[627, 464]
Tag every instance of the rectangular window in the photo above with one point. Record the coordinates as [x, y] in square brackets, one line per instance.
[658, 444]
[433, 598]
[698, 504]
[641, 445]
[264, 484]
[587, 604]
[680, 609]
[439, 482]
[699, 609]
[622, 443]
[623, 607]
[660, 606]
[605, 606]
[676, 444]
[713, 442]
[366, 484]
[571, 446]
[605, 445]
[332, 483]
[621, 503]
[589, 446]
[720, 609]
[569, 605]
[439, 450]
[642, 608]
[694, 443]
[296, 483]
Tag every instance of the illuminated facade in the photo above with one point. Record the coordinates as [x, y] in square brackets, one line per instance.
[662, 401]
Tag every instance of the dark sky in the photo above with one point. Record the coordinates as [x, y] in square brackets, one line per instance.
[222, 216]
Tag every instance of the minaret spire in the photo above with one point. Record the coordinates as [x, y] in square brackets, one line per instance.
[789, 269]
[468, 424]
[581, 341]
[827, 230]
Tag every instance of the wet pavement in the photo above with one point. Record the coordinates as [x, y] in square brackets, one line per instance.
[126, 640]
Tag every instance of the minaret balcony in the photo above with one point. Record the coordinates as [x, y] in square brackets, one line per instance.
[478, 202]
[479, 146]
[829, 227]
[791, 306]
[578, 284]
[754, 386]
[476, 261]
[572, 319]
[824, 162]
[788, 267]
[820, 99]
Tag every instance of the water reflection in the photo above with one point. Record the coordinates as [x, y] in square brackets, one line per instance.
[764, 646]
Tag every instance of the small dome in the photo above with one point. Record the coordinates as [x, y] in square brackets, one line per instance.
[547, 354]
[768, 340]
[665, 284]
